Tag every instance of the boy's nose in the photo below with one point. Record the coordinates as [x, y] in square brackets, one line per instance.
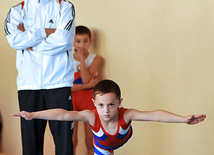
[106, 109]
[81, 44]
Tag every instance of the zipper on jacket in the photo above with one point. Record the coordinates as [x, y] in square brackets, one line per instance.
[40, 54]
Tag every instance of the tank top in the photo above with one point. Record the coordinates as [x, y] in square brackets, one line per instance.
[88, 61]
[105, 141]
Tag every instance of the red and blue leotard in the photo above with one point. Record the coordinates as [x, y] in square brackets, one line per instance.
[104, 143]
[82, 99]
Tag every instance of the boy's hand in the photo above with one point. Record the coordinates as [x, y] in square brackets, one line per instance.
[49, 31]
[80, 52]
[30, 48]
[93, 81]
[194, 119]
[24, 114]
[21, 27]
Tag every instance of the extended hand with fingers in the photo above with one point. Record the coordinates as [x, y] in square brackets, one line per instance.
[194, 119]
[23, 114]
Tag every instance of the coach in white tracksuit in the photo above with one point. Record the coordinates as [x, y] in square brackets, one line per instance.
[42, 32]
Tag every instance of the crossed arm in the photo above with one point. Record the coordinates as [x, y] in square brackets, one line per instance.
[48, 31]
[47, 41]
[88, 74]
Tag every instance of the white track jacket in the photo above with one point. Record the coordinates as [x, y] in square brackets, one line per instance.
[49, 64]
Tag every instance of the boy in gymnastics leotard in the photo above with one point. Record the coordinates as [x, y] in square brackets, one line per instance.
[110, 123]
[86, 75]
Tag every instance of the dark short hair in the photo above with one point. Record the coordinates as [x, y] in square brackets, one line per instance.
[83, 30]
[107, 86]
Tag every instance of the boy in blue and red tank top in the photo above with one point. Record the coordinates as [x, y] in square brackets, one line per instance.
[110, 123]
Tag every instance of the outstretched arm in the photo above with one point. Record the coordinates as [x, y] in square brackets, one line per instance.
[58, 114]
[162, 116]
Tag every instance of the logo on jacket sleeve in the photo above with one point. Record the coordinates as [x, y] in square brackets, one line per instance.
[51, 21]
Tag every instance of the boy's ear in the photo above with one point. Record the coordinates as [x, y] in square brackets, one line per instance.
[120, 101]
[93, 102]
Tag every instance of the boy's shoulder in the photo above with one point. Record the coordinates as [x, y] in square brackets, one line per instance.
[123, 109]
[18, 6]
[89, 115]
[128, 114]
